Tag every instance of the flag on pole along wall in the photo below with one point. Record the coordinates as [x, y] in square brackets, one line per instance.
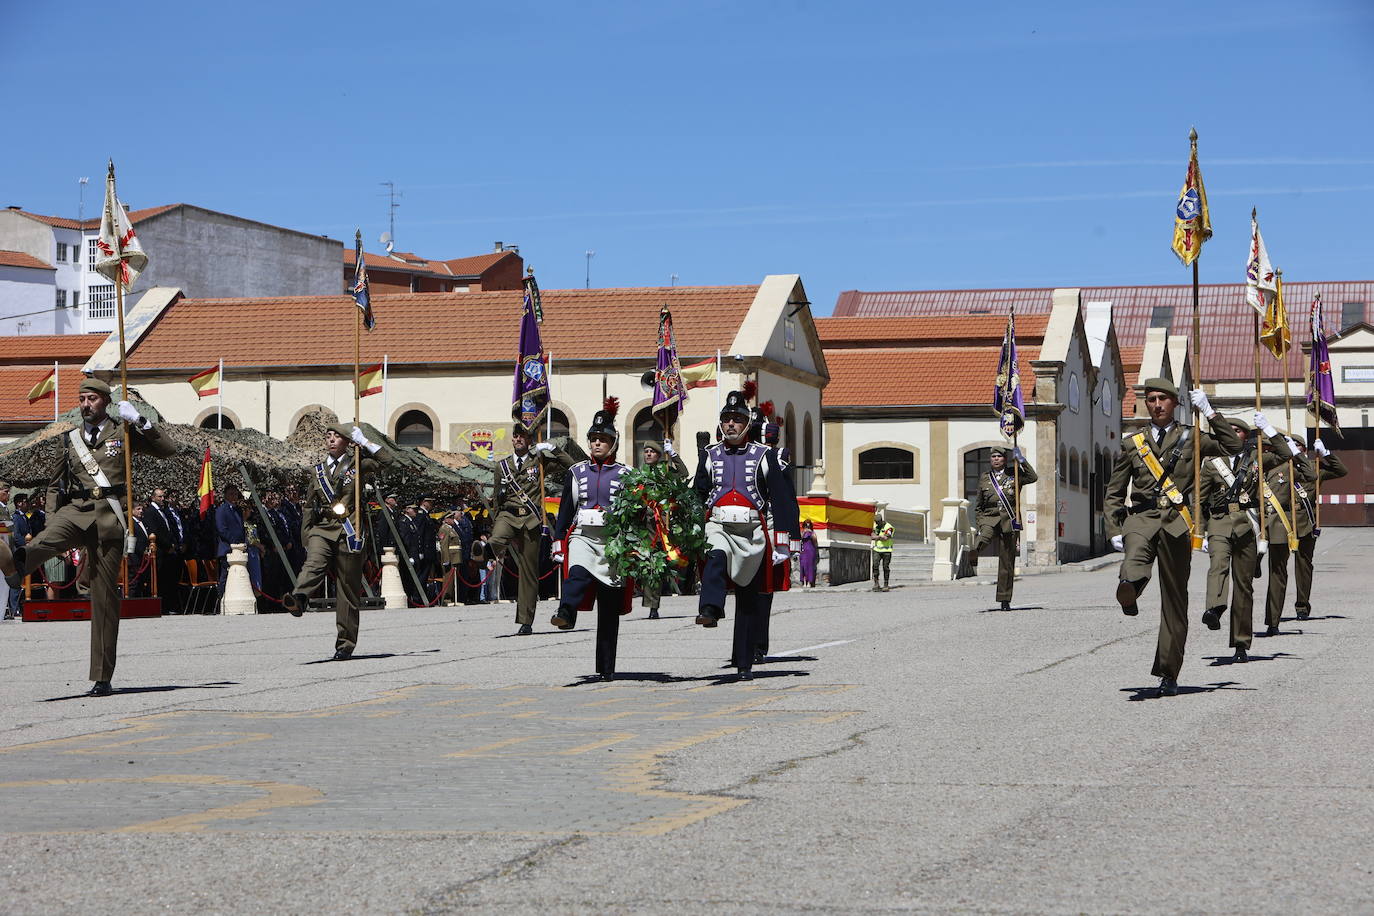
[1274, 324]
[370, 380]
[121, 257]
[1192, 220]
[362, 293]
[205, 383]
[1259, 273]
[1007, 400]
[530, 395]
[206, 490]
[699, 375]
[669, 394]
[45, 388]
[532, 294]
[1321, 385]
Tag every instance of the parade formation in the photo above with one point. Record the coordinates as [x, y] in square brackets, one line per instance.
[1241, 491]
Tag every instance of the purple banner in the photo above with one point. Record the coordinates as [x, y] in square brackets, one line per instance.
[530, 396]
[1006, 396]
[1321, 387]
[670, 396]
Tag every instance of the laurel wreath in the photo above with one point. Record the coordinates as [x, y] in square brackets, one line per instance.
[655, 524]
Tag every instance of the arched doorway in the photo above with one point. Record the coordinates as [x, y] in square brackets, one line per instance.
[789, 433]
[808, 439]
[415, 429]
[977, 462]
[557, 424]
[646, 428]
[213, 422]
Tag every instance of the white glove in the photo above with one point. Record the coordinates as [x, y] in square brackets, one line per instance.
[668, 448]
[129, 414]
[1320, 448]
[1292, 446]
[360, 437]
[780, 556]
[546, 447]
[1118, 544]
[1200, 402]
[1206, 541]
[1263, 425]
[1262, 548]
[557, 551]
[1016, 455]
[491, 564]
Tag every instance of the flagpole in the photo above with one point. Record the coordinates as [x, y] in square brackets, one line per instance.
[1015, 429]
[719, 382]
[1287, 418]
[548, 380]
[219, 422]
[1197, 438]
[1311, 386]
[56, 392]
[124, 395]
[357, 401]
[1259, 444]
[386, 368]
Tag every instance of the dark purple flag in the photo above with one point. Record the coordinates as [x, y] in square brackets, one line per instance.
[1006, 396]
[1321, 387]
[530, 397]
[670, 396]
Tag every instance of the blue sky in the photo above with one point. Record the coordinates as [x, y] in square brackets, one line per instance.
[864, 146]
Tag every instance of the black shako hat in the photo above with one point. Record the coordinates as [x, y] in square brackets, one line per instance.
[737, 402]
[603, 423]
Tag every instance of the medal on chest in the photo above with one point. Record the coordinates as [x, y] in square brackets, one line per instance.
[113, 447]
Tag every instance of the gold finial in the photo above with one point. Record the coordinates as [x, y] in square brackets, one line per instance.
[1192, 135]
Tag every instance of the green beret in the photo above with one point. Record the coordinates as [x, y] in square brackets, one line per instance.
[1237, 421]
[340, 429]
[1162, 384]
[96, 385]
[654, 444]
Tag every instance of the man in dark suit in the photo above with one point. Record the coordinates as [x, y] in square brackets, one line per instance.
[408, 530]
[293, 513]
[165, 525]
[229, 529]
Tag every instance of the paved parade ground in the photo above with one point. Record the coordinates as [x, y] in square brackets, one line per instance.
[913, 750]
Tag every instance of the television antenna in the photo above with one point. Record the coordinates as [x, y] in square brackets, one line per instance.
[392, 194]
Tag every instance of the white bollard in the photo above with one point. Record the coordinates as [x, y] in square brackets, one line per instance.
[393, 591]
[238, 587]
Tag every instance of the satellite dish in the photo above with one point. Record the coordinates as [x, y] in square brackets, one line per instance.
[387, 241]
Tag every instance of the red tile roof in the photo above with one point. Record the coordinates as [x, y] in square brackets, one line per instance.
[477, 265]
[441, 327]
[1131, 358]
[900, 376]
[62, 222]
[927, 331]
[20, 259]
[16, 381]
[1227, 323]
[469, 267]
[35, 348]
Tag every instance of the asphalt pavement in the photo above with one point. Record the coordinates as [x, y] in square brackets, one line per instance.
[914, 750]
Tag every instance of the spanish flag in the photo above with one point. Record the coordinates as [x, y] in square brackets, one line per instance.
[1192, 220]
[46, 387]
[700, 375]
[370, 380]
[206, 491]
[1274, 332]
[206, 383]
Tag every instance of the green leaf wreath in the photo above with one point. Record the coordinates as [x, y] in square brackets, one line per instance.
[635, 546]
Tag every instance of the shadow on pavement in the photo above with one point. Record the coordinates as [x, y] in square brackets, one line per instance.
[164, 688]
[1024, 607]
[1260, 634]
[358, 657]
[1319, 617]
[1220, 660]
[1152, 692]
[588, 680]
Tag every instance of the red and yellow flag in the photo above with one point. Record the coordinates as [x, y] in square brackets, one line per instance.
[1274, 333]
[700, 375]
[1192, 220]
[206, 383]
[370, 380]
[46, 387]
[206, 490]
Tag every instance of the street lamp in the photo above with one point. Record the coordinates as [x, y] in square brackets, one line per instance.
[590, 254]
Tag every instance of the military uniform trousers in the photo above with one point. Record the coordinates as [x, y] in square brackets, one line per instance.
[578, 586]
[715, 576]
[1174, 553]
[323, 554]
[74, 526]
[521, 544]
[1232, 562]
[1006, 542]
[1278, 577]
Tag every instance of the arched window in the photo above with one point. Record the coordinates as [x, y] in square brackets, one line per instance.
[887, 463]
[1073, 467]
[647, 428]
[808, 440]
[415, 429]
[977, 462]
[557, 424]
[1086, 477]
[789, 433]
[1063, 463]
[213, 422]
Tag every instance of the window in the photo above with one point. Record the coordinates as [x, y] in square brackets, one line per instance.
[61, 298]
[76, 298]
[1107, 399]
[1063, 464]
[789, 433]
[646, 428]
[557, 424]
[213, 422]
[415, 429]
[887, 464]
[808, 454]
[92, 252]
[62, 252]
[789, 333]
[1352, 313]
[1073, 467]
[1161, 316]
[976, 463]
[1075, 395]
[102, 302]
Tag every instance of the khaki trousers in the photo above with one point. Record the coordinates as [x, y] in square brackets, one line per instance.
[322, 556]
[1006, 563]
[1175, 564]
[1278, 577]
[521, 545]
[65, 530]
[1232, 561]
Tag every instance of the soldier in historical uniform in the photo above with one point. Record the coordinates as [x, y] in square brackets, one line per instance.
[86, 510]
[1301, 519]
[740, 482]
[1230, 497]
[1156, 466]
[579, 540]
[654, 452]
[998, 515]
[331, 534]
[519, 516]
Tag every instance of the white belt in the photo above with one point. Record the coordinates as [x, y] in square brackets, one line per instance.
[591, 518]
[734, 515]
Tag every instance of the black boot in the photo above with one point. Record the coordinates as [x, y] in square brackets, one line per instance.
[1212, 617]
[709, 616]
[1126, 594]
[1005, 606]
[565, 619]
[100, 689]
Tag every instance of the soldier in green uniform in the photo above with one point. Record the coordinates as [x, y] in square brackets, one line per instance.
[1302, 520]
[86, 510]
[518, 516]
[332, 541]
[654, 452]
[997, 520]
[1230, 494]
[1156, 467]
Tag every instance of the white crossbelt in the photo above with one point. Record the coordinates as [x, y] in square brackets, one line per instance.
[83, 454]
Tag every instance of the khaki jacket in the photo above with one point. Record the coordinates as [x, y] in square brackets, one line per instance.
[1304, 518]
[72, 480]
[450, 544]
[318, 518]
[991, 516]
[516, 491]
[1142, 512]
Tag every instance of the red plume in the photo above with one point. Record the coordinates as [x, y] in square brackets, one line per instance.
[766, 408]
[750, 390]
[611, 406]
